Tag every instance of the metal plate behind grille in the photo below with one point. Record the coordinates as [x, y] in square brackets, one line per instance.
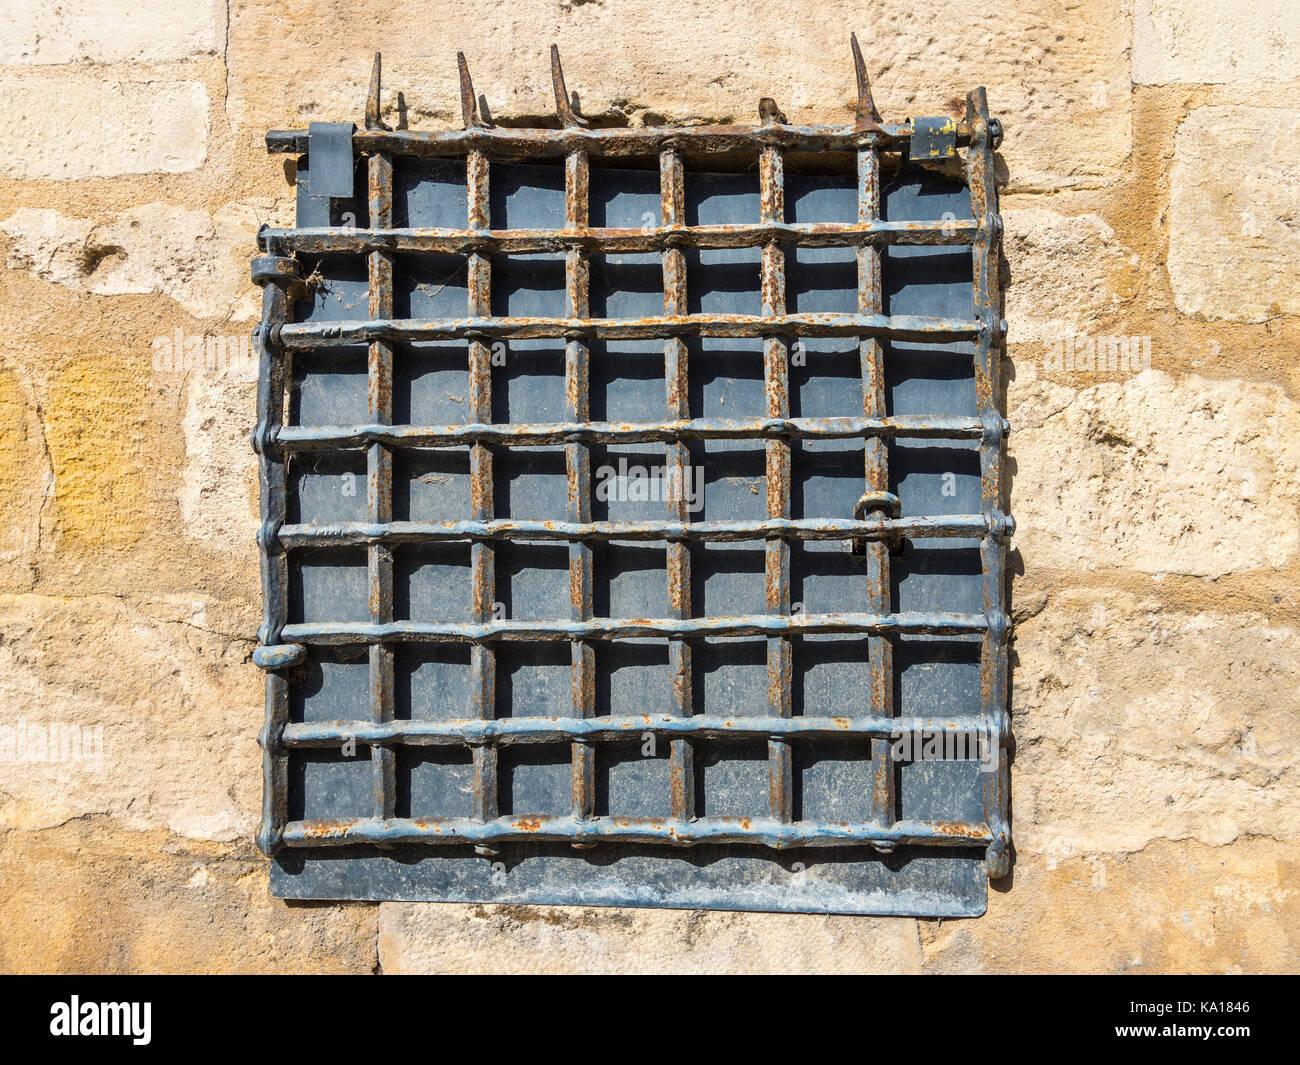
[487, 679]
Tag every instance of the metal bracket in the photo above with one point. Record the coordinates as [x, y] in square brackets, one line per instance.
[933, 139]
[329, 154]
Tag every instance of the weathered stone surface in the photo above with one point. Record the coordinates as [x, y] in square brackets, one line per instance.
[1058, 76]
[79, 127]
[197, 258]
[105, 31]
[162, 706]
[218, 490]
[447, 938]
[1234, 227]
[24, 482]
[92, 898]
[1067, 273]
[1171, 908]
[1215, 41]
[1032, 398]
[1134, 722]
[1161, 475]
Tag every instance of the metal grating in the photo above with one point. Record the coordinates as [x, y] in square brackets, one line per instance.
[537, 300]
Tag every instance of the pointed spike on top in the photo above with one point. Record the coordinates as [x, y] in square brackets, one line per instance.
[770, 113]
[867, 115]
[562, 106]
[373, 120]
[468, 101]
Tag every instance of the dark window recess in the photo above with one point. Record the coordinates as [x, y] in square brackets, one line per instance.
[631, 500]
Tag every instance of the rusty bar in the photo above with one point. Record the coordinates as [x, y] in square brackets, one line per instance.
[944, 427]
[320, 240]
[880, 649]
[743, 326]
[542, 829]
[776, 381]
[988, 351]
[619, 142]
[482, 554]
[577, 464]
[672, 207]
[379, 482]
[413, 532]
[526, 729]
[276, 274]
[909, 622]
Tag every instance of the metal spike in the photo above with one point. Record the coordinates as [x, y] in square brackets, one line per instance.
[562, 106]
[770, 113]
[373, 121]
[867, 115]
[468, 101]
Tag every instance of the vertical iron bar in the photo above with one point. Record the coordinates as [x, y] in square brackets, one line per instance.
[273, 372]
[482, 554]
[993, 650]
[672, 203]
[379, 484]
[880, 649]
[577, 462]
[776, 373]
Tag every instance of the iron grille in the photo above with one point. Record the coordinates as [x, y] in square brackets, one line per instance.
[487, 681]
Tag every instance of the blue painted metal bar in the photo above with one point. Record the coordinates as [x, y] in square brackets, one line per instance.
[776, 553]
[542, 729]
[379, 478]
[956, 526]
[297, 438]
[507, 143]
[318, 240]
[278, 277]
[766, 832]
[327, 633]
[577, 462]
[303, 335]
[672, 208]
[483, 666]
[988, 352]
[879, 502]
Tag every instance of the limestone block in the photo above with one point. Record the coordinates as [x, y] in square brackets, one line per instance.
[1234, 219]
[68, 128]
[1160, 475]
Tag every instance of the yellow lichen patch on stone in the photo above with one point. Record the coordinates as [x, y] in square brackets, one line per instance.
[95, 426]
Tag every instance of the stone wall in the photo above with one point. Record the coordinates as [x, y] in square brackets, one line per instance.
[1150, 189]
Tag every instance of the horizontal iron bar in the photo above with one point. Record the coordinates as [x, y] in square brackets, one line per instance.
[322, 240]
[820, 324]
[334, 633]
[414, 532]
[564, 729]
[538, 829]
[328, 437]
[640, 141]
